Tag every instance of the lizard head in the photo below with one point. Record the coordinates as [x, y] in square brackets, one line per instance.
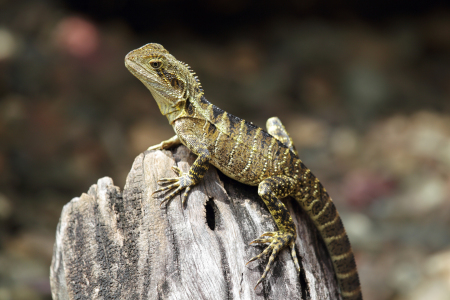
[170, 81]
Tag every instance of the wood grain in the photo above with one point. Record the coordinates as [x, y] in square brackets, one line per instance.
[123, 245]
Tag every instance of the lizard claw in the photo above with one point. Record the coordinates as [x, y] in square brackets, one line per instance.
[176, 185]
[165, 188]
[177, 170]
[184, 197]
[278, 240]
[170, 196]
[294, 256]
[260, 240]
[166, 180]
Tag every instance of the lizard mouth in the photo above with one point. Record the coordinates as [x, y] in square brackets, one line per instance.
[154, 83]
[140, 72]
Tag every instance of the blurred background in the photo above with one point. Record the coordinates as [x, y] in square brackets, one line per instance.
[363, 88]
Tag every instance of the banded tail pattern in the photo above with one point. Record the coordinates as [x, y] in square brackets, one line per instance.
[315, 200]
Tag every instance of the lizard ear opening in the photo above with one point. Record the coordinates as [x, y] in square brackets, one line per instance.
[177, 84]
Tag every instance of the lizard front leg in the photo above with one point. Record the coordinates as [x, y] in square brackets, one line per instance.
[271, 190]
[185, 180]
[173, 141]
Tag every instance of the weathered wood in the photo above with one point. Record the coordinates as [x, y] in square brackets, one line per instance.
[113, 245]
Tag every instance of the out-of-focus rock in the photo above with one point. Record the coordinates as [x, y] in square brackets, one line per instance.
[32, 245]
[361, 187]
[148, 133]
[77, 37]
[420, 196]
[431, 289]
[308, 132]
[358, 227]
[404, 145]
[5, 207]
[8, 44]
[439, 265]
[344, 142]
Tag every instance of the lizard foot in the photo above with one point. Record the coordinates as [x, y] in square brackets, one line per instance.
[278, 240]
[175, 185]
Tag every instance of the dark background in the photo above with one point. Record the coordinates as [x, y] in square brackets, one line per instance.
[363, 88]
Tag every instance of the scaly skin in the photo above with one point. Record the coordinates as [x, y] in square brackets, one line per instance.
[245, 153]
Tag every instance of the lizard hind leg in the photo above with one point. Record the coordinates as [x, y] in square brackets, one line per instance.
[277, 130]
[271, 190]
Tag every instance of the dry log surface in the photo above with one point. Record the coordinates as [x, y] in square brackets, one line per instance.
[123, 245]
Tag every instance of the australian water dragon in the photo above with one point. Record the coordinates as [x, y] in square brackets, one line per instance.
[245, 153]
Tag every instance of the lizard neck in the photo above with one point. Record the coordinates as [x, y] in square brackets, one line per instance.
[188, 109]
[206, 110]
[173, 116]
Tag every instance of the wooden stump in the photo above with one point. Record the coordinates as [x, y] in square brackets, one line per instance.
[113, 245]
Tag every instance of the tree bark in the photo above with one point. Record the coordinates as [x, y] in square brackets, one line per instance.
[124, 245]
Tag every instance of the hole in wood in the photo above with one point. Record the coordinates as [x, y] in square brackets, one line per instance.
[303, 281]
[210, 214]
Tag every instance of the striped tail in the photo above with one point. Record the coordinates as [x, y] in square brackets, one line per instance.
[326, 218]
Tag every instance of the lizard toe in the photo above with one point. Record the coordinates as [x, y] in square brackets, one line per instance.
[278, 240]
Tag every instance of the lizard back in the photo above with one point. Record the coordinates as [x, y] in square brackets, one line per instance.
[240, 149]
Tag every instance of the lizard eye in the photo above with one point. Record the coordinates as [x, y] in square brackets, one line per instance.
[155, 64]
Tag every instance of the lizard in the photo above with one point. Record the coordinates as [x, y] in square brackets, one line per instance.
[246, 153]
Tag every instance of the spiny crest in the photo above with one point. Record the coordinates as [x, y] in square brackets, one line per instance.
[193, 74]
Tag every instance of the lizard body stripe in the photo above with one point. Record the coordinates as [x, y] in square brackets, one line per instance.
[350, 285]
[315, 217]
[252, 152]
[216, 113]
[352, 293]
[224, 122]
[210, 112]
[204, 130]
[269, 151]
[217, 142]
[344, 264]
[237, 142]
[263, 171]
[341, 256]
[286, 152]
[321, 227]
[345, 275]
[329, 214]
[336, 237]
[339, 246]
[266, 160]
[334, 229]
[309, 206]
